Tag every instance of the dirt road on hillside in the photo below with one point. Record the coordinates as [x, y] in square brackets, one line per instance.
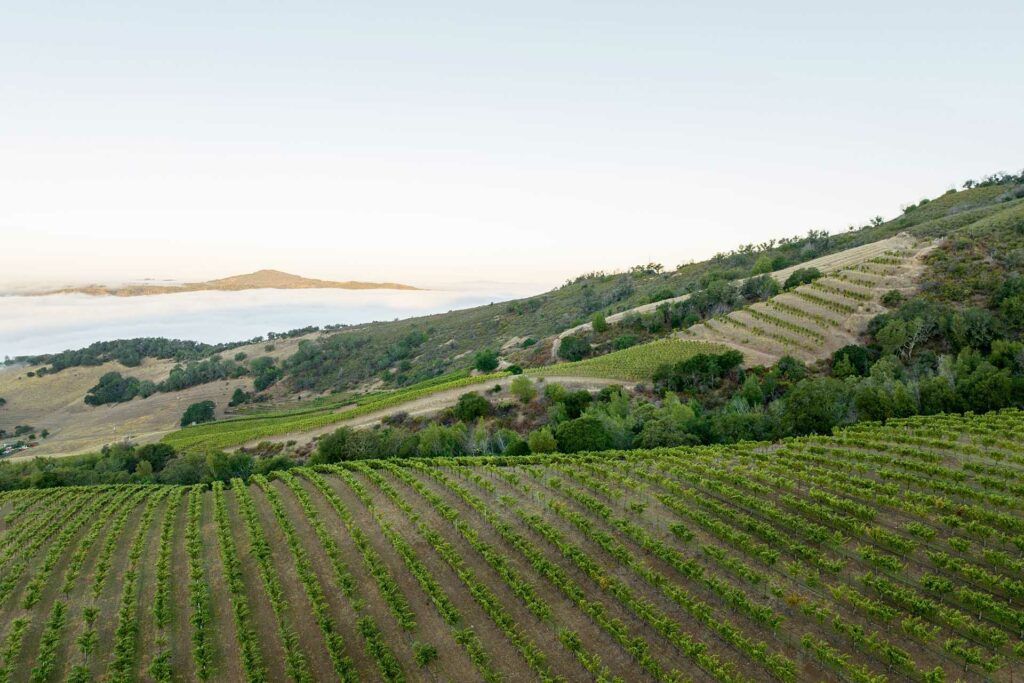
[435, 403]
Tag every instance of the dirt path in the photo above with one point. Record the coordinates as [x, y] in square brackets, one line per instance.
[433, 404]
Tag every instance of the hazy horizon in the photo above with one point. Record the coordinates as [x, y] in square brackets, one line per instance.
[515, 144]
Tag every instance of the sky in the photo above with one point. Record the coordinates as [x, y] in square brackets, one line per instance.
[444, 144]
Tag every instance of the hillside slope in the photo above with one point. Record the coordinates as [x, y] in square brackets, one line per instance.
[842, 260]
[54, 402]
[395, 355]
[881, 553]
[812, 321]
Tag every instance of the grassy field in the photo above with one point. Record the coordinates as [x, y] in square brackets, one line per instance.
[636, 363]
[227, 433]
[881, 553]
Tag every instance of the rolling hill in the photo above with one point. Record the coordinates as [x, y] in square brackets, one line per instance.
[260, 279]
[809, 322]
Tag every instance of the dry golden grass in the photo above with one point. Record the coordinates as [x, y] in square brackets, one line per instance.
[55, 403]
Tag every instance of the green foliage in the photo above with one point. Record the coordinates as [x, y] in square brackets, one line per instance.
[573, 348]
[801, 276]
[472, 406]
[522, 388]
[598, 323]
[624, 341]
[850, 360]
[239, 397]
[892, 298]
[638, 363]
[542, 441]
[112, 388]
[582, 434]
[198, 413]
[763, 264]
[486, 360]
[699, 372]
[127, 352]
[759, 288]
[227, 433]
[815, 406]
[424, 654]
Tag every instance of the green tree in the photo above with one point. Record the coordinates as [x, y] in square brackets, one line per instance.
[112, 388]
[238, 398]
[599, 323]
[801, 276]
[758, 288]
[523, 389]
[486, 360]
[573, 348]
[471, 406]
[333, 447]
[937, 396]
[815, 406]
[582, 434]
[542, 441]
[763, 264]
[198, 413]
[856, 359]
[752, 392]
[892, 336]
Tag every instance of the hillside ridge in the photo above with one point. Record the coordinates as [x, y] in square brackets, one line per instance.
[260, 279]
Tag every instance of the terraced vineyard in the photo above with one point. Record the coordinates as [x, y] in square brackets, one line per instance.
[883, 553]
[813, 320]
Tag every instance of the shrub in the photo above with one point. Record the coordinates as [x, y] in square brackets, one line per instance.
[573, 348]
[471, 406]
[599, 323]
[757, 288]
[542, 441]
[763, 264]
[238, 398]
[625, 341]
[815, 406]
[198, 413]
[582, 434]
[661, 295]
[486, 360]
[893, 298]
[333, 447]
[523, 389]
[850, 360]
[801, 276]
[699, 372]
[518, 448]
[576, 402]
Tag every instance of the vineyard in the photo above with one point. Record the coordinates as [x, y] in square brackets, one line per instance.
[883, 553]
[813, 320]
[637, 363]
[237, 431]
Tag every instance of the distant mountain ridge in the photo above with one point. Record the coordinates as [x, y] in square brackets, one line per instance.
[260, 279]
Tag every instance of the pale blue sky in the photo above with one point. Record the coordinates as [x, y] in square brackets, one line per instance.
[521, 142]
